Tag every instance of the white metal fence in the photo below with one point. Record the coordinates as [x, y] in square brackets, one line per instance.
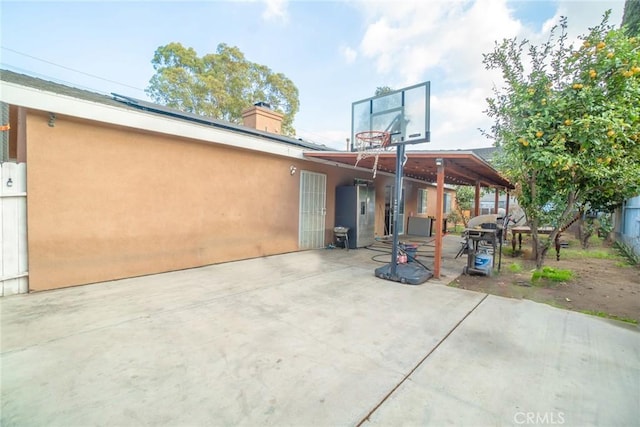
[13, 229]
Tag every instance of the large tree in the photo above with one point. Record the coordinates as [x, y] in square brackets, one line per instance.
[631, 17]
[383, 90]
[568, 121]
[219, 85]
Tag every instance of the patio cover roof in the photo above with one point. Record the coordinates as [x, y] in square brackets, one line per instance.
[456, 168]
[460, 167]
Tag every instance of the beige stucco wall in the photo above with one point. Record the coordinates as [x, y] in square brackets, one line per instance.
[107, 203]
[411, 194]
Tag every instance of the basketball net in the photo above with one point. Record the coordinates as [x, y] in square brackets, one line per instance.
[370, 144]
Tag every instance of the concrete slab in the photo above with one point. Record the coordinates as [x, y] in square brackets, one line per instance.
[309, 338]
[516, 362]
[304, 338]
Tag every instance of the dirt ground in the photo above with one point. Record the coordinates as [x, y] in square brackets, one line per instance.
[603, 283]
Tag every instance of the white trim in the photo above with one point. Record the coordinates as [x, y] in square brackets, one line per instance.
[29, 97]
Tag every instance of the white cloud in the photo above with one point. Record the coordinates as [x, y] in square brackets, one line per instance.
[349, 54]
[443, 41]
[456, 116]
[424, 36]
[275, 10]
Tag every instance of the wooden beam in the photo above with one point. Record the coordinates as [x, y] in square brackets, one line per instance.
[437, 261]
[506, 207]
[476, 208]
[465, 174]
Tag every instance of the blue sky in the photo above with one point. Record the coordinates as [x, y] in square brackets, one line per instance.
[335, 52]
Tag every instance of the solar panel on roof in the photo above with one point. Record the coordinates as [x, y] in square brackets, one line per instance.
[171, 112]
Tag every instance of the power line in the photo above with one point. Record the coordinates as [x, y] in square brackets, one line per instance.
[70, 69]
[316, 138]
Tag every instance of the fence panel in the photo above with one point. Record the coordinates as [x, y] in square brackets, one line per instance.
[630, 232]
[13, 229]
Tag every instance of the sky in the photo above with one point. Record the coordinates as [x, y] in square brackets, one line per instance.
[335, 52]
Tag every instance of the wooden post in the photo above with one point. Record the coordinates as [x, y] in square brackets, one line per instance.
[439, 214]
[506, 206]
[476, 208]
[497, 201]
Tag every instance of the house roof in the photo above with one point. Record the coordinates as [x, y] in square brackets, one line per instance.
[461, 167]
[487, 153]
[125, 102]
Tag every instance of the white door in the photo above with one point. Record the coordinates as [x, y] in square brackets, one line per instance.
[313, 209]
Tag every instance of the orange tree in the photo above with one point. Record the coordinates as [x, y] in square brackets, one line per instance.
[568, 121]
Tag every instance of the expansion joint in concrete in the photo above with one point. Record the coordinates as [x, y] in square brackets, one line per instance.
[406, 377]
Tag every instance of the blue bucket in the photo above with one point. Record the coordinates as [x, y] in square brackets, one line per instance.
[483, 262]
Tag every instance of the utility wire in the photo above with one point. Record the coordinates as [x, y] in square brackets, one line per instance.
[316, 138]
[70, 69]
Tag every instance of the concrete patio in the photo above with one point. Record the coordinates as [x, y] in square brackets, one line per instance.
[308, 338]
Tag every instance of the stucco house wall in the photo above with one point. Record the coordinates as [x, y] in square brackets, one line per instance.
[107, 200]
[106, 203]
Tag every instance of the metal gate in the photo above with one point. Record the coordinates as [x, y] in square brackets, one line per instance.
[313, 210]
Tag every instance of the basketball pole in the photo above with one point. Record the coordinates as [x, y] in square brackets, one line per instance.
[400, 151]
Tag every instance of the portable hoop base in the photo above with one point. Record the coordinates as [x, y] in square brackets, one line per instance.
[409, 273]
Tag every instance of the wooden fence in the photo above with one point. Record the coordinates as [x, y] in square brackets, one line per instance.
[13, 229]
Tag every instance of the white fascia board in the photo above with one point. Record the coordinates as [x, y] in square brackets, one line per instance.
[29, 97]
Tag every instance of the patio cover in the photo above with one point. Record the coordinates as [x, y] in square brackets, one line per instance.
[442, 167]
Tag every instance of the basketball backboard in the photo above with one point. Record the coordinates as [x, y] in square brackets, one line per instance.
[404, 113]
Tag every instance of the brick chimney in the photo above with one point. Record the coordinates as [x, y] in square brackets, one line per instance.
[261, 117]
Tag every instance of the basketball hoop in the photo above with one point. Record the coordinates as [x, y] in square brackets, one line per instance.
[372, 143]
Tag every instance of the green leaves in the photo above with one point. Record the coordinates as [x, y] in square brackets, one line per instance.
[567, 119]
[219, 85]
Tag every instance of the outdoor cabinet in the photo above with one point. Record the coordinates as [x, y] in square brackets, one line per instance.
[355, 208]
